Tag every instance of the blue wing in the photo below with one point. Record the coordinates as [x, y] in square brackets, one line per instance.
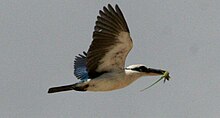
[80, 69]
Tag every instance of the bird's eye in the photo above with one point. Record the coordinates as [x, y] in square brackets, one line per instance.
[142, 68]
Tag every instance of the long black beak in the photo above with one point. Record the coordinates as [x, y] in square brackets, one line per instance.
[152, 71]
[155, 71]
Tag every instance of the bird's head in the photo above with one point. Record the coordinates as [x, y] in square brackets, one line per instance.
[139, 68]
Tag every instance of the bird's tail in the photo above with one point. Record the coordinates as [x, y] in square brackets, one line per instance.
[77, 87]
[60, 88]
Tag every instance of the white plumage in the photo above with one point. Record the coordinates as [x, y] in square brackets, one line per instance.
[101, 68]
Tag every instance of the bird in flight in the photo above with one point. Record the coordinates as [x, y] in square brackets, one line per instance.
[101, 68]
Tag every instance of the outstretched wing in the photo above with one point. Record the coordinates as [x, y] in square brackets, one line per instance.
[80, 70]
[111, 42]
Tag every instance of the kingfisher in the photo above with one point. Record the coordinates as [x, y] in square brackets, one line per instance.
[101, 68]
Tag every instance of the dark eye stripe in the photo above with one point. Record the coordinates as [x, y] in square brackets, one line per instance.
[139, 69]
[136, 69]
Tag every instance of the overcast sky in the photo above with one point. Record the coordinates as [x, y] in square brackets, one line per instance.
[40, 38]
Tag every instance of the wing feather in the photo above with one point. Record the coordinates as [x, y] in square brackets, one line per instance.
[111, 42]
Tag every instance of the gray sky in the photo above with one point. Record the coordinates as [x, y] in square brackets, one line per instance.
[39, 39]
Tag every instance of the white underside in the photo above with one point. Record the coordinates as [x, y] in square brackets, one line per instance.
[112, 81]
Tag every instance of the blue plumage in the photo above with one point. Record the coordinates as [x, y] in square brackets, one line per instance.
[80, 69]
[102, 67]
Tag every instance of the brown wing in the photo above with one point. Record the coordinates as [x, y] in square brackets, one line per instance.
[111, 42]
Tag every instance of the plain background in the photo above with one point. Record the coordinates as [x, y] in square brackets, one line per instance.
[40, 38]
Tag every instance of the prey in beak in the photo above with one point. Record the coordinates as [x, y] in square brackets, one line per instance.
[165, 76]
[150, 72]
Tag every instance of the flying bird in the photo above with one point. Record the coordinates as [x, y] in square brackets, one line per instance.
[101, 68]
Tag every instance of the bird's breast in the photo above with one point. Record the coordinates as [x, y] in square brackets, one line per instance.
[108, 81]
